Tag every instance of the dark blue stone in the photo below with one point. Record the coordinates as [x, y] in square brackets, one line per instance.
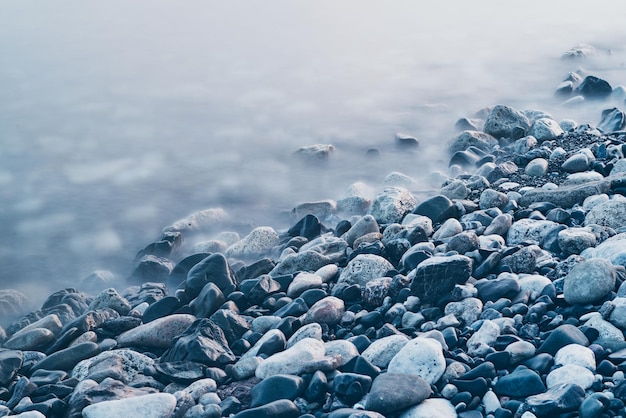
[308, 227]
[437, 208]
[520, 383]
[594, 88]
[557, 400]
[560, 337]
[276, 387]
[360, 365]
[317, 387]
[282, 408]
[161, 308]
[351, 387]
[393, 392]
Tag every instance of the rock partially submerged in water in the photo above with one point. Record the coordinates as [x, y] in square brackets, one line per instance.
[501, 295]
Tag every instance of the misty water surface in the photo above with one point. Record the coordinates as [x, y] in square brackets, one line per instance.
[118, 118]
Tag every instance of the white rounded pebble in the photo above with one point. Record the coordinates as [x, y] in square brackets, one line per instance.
[392, 204]
[576, 354]
[154, 405]
[570, 373]
[431, 408]
[422, 357]
[303, 281]
[490, 402]
[537, 167]
[257, 242]
[607, 330]
[448, 229]
[313, 330]
[292, 360]
[363, 268]
[520, 351]
[381, 351]
[342, 348]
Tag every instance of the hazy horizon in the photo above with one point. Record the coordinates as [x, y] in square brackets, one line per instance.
[119, 118]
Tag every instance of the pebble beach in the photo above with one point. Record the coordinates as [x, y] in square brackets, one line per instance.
[497, 294]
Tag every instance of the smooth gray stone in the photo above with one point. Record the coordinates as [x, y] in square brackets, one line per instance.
[566, 196]
[590, 281]
[68, 358]
[392, 392]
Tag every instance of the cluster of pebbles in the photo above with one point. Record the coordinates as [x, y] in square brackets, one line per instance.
[500, 296]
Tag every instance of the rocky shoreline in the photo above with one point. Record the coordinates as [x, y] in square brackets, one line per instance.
[500, 296]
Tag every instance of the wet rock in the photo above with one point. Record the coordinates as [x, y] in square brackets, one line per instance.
[10, 362]
[519, 384]
[421, 357]
[152, 268]
[305, 260]
[490, 198]
[481, 342]
[381, 351]
[613, 250]
[576, 354]
[612, 120]
[545, 129]
[576, 163]
[481, 140]
[447, 230]
[570, 373]
[561, 336]
[308, 227]
[257, 242]
[208, 301]
[303, 281]
[506, 122]
[364, 268]
[557, 400]
[35, 339]
[392, 204]
[124, 364]
[565, 196]
[202, 342]
[589, 282]
[351, 387]
[537, 167]
[158, 333]
[155, 405]
[276, 387]
[283, 408]
[232, 324]
[593, 87]
[326, 311]
[576, 240]
[464, 242]
[393, 392]
[611, 213]
[213, 269]
[433, 279]
[295, 360]
[68, 358]
[437, 208]
[432, 407]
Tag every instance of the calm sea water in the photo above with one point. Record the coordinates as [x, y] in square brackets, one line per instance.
[118, 118]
